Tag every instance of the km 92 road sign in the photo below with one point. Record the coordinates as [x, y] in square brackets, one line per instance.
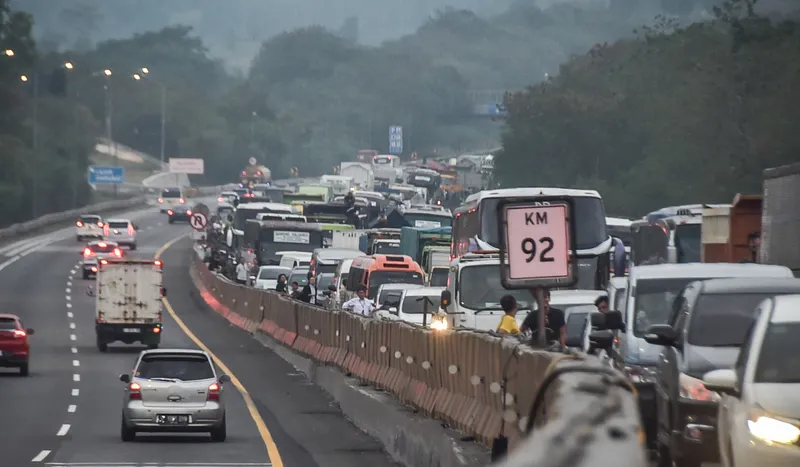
[538, 238]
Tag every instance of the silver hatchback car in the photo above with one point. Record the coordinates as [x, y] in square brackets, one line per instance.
[173, 390]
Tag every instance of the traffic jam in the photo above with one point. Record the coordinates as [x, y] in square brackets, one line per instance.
[689, 302]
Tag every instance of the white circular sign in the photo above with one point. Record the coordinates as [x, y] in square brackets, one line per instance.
[252, 161]
[198, 221]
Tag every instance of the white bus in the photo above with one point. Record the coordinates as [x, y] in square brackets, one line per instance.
[475, 228]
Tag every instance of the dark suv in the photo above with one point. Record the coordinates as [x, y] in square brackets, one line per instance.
[708, 325]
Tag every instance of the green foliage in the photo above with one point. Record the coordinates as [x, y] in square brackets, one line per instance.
[677, 117]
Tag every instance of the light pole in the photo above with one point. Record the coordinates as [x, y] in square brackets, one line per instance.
[34, 79]
[109, 111]
[145, 72]
[69, 66]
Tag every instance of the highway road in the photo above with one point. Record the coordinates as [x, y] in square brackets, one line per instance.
[67, 412]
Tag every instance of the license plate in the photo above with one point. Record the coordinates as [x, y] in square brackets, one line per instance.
[173, 419]
[132, 330]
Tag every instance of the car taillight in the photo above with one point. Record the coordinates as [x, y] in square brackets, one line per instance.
[188, 212]
[169, 211]
[20, 334]
[130, 230]
[182, 201]
[160, 200]
[105, 231]
[79, 224]
[158, 263]
[220, 200]
[87, 252]
[117, 252]
[135, 391]
[102, 244]
[103, 261]
[99, 224]
[213, 392]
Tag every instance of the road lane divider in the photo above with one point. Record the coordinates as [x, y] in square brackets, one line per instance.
[263, 431]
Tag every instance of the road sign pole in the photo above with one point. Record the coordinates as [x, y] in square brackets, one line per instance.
[542, 332]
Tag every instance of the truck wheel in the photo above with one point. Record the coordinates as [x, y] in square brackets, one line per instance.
[102, 345]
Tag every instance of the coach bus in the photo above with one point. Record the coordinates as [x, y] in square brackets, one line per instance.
[475, 228]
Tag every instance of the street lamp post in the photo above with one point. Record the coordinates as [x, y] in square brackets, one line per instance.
[145, 72]
[34, 79]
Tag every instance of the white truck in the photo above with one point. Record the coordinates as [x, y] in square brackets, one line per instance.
[128, 302]
[348, 239]
[341, 184]
[780, 218]
[361, 173]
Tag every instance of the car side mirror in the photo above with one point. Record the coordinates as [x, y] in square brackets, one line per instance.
[445, 299]
[723, 381]
[598, 320]
[224, 379]
[30, 331]
[125, 378]
[332, 287]
[393, 310]
[614, 320]
[601, 340]
[661, 334]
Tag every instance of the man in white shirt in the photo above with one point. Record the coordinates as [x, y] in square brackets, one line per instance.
[360, 305]
[241, 273]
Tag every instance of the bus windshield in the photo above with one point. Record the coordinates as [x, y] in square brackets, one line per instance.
[590, 229]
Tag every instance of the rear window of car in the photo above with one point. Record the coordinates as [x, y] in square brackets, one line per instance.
[108, 248]
[171, 193]
[272, 273]
[299, 276]
[90, 219]
[118, 225]
[723, 320]
[8, 324]
[178, 367]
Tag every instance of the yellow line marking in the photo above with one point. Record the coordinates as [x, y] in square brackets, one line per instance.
[266, 436]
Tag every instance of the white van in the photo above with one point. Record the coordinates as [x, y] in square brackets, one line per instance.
[293, 259]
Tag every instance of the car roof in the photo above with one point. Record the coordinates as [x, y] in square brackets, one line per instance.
[9, 315]
[300, 269]
[575, 297]
[336, 253]
[118, 220]
[785, 309]
[174, 351]
[751, 285]
[267, 268]
[422, 291]
[707, 270]
[619, 282]
[399, 286]
[294, 254]
[98, 242]
[91, 215]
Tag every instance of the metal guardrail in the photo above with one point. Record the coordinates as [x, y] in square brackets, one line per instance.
[479, 383]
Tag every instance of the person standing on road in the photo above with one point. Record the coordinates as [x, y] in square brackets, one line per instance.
[241, 272]
[553, 321]
[508, 323]
[309, 292]
[295, 290]
[360, 305]
[281, 287]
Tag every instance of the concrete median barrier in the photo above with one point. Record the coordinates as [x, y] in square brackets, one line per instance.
[479, 384]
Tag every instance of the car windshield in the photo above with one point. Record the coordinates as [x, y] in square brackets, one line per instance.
[171, 193]
[177, 367]
[378, 278]
[300, 276]
[622, 233]
[387, 291]
[386, 248]
[269, 274]
[118, 225]
[324, 280]
[90, 219]
[439, 277]
[723, 320]
[653, 301]
[329, 266]
[590, 230]
[576, 319]
[687, 243]
[779, 359]
[415, 304]
[650, 246]
[479, 288]
[8, 324]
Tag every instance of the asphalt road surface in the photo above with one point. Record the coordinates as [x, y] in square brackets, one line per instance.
[67, 411]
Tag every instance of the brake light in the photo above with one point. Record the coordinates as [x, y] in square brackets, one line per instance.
[188, 212]
[244, 172]
[160, 200]
[20, 334]
[130, 230]
[375, 159]
[103, 261]
[158, 263]
[94, 268]
[87, 252]
[220, 200]
[169, 211]
[106, 231]
[156, 330]
[182, 201]
[135, 391]
[79, 224]
[213, 392]
[102, 244]
[99, 224]
[117, 252]
[259, 173]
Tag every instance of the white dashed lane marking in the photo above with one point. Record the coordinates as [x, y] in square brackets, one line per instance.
[70, 315]
[76, 363]
[69, 305]
[41, 456]
[74, 350]
[72, 408]
[76, 392]
[76, 377]
[69, 298]
[72, 337]
[72, 325]
[63, 430]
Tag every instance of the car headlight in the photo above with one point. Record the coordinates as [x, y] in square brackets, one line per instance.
[772, 430]
[694, 389]
[640, 374]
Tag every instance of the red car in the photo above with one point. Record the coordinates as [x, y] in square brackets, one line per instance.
[14, 348]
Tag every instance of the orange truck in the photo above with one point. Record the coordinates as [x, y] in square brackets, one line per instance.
[731, 234]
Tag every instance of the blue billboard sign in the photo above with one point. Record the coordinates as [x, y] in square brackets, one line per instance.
[106, 175]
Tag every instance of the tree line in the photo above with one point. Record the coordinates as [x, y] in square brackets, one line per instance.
[680, 114]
